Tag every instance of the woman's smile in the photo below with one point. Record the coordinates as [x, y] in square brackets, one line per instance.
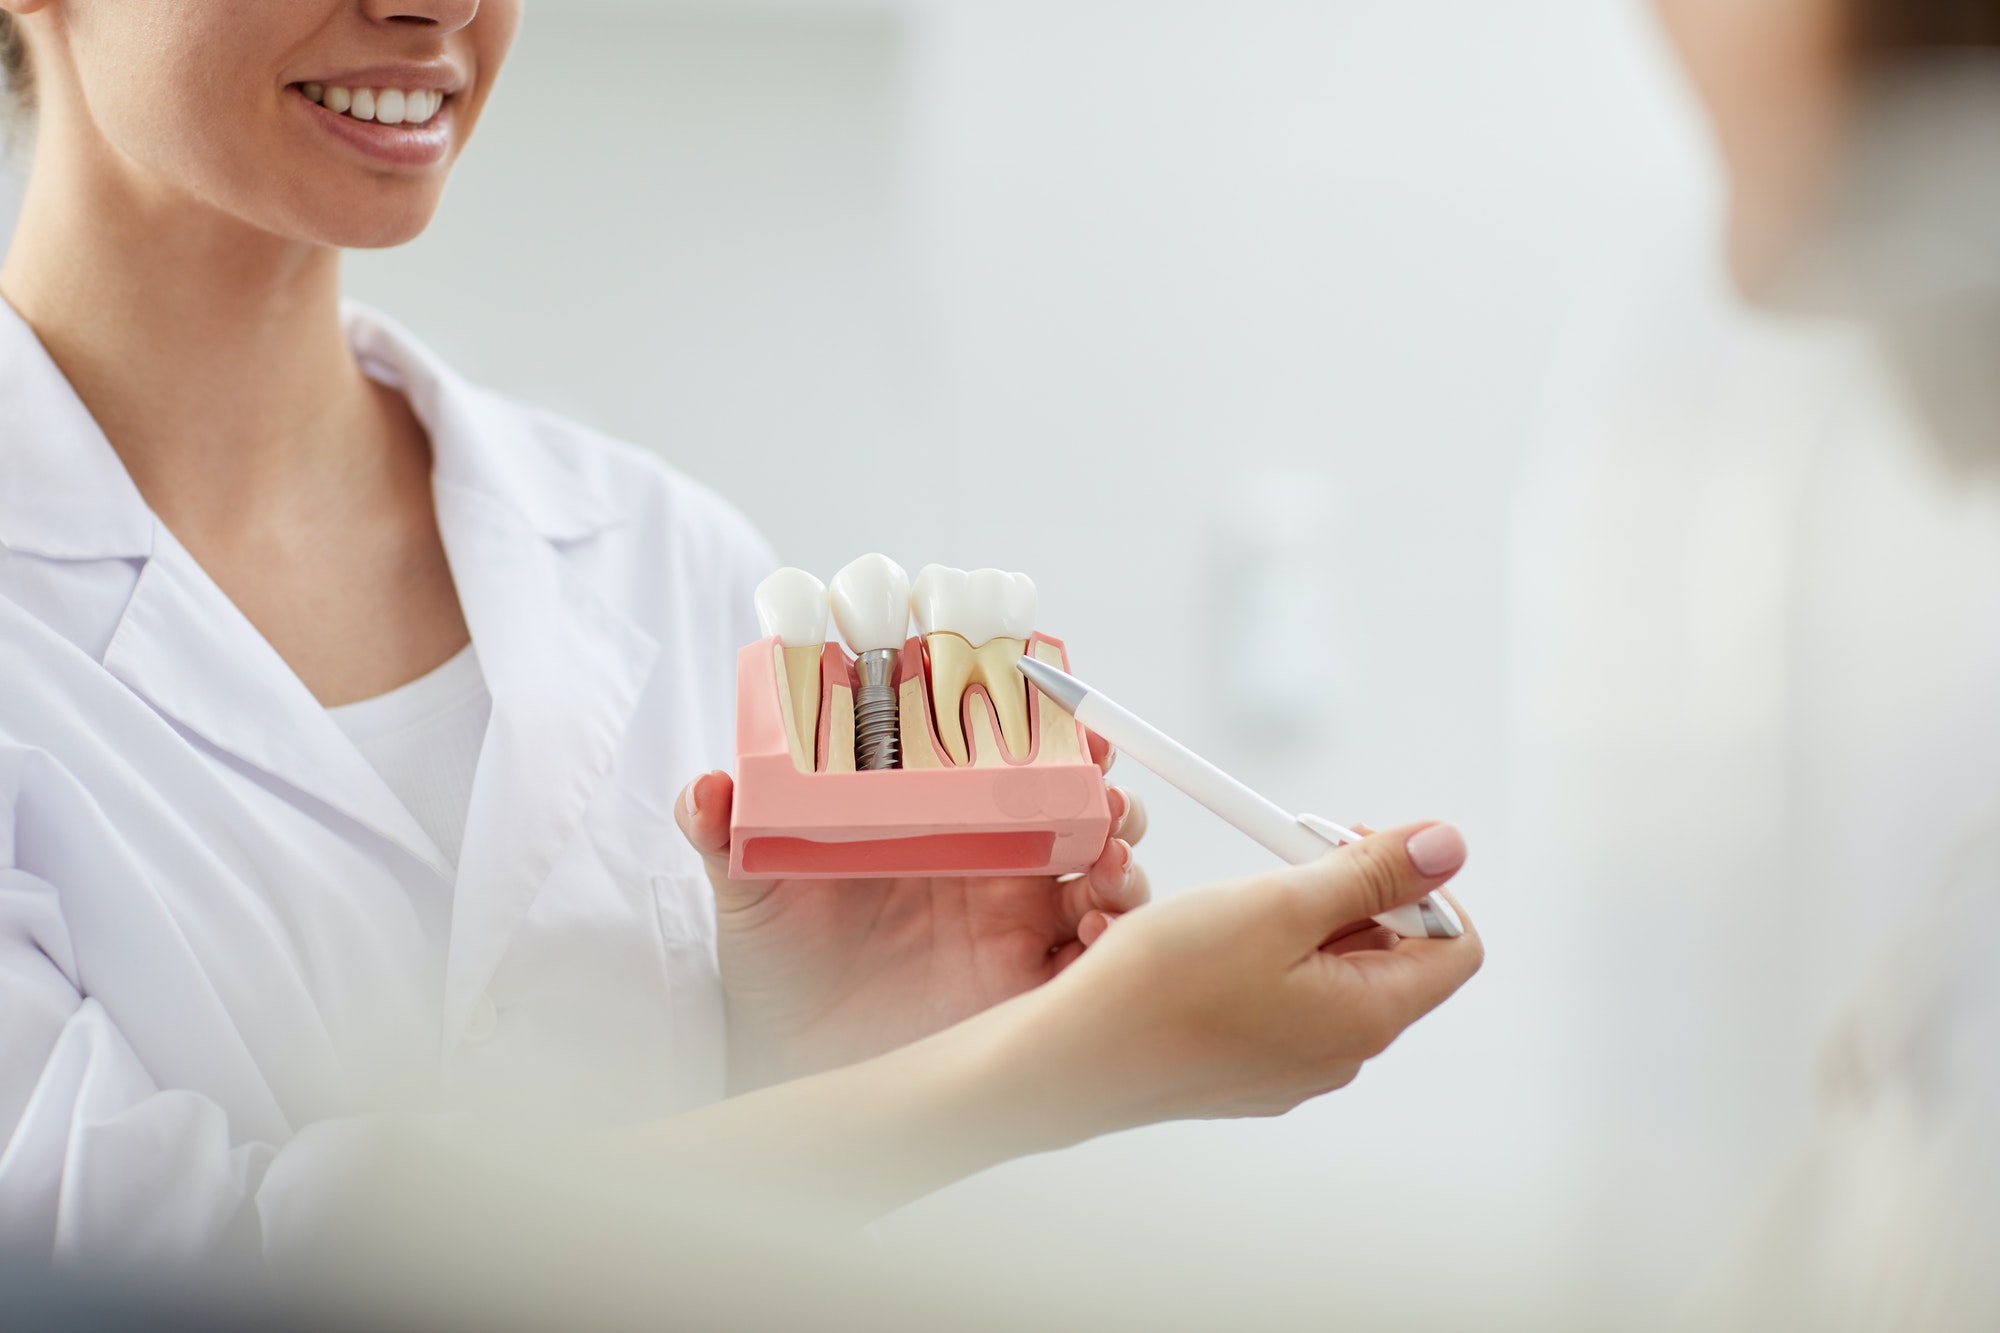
[403, 126]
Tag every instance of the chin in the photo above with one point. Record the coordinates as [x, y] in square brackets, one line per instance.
[1765, 260]
[376, 226]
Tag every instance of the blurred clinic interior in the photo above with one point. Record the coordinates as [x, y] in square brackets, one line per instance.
[1366, 387]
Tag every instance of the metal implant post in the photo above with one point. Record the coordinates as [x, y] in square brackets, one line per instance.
[877, 713]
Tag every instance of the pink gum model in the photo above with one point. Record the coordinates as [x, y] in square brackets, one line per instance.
[1018, 818]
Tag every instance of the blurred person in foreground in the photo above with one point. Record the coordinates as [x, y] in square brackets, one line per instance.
[262, 972]
[1862, 141]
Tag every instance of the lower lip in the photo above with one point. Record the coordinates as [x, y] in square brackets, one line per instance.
[422, 145]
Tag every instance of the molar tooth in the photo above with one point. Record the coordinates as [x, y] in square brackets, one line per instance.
[364, 104]
[339, 99]
[976, 627]
[389, 107]
[313, 91]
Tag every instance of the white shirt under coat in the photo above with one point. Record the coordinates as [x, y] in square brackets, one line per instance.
[212, 905]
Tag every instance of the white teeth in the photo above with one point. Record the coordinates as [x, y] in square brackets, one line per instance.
[984, 605]
[871, 604]
[792, 608]
[385, 106]
[976, 627]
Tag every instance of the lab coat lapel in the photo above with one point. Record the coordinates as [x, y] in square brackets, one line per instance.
[184, 647]
[565, 671]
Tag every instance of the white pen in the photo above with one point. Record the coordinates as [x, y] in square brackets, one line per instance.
[1299, 839]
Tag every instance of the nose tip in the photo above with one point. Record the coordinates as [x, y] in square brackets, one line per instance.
[447, 14]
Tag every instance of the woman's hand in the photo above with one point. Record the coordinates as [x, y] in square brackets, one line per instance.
[822, 973]
[1245, 998]
[1239, 999]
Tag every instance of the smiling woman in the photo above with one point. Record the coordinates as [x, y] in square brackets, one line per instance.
[347, 707]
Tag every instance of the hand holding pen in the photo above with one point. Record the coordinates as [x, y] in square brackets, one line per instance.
[1300, 839]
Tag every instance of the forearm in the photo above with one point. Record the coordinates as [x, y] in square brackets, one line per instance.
[852, 1144]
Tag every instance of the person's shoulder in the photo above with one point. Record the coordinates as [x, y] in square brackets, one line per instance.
[638, 488]
[568, 480]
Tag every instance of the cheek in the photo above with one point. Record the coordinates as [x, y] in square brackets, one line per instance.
[176, 87]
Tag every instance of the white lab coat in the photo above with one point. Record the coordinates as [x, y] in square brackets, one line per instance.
[208, 939]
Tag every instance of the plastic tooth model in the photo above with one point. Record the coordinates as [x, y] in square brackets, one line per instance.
[792, 608]
[976, 628]
[926, 755]
[871, 604]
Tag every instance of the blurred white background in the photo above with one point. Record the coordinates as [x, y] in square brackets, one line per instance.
[1291, 346]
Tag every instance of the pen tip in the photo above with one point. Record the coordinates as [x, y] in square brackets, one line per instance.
[1067, 691]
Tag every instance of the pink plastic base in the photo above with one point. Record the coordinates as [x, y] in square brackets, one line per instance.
[1019, 819]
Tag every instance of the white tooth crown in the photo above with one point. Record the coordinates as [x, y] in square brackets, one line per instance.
[792, 607]
[386, 106]
[871, 604]
[979, 607]
[976, 626]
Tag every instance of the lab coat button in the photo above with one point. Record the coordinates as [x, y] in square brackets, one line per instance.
[479, 1028]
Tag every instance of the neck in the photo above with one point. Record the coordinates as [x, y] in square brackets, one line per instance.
[208, 350]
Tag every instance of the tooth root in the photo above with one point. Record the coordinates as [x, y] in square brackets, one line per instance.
[918, 749]
[1008, 689]
[953, 662]
[839, 749]
[798, 696]
[985, 742]
[1060, 743]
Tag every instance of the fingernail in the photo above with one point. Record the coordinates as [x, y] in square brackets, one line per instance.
[1437, 850]
[1120, 807]
[1125, 876]
[694, 798]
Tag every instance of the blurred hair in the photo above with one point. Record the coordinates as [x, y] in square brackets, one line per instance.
[1903, 27]
[16, 71]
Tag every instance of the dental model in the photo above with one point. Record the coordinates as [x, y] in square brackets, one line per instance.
[792, 608]
[843, 766]
[871, 604]
[976, 629]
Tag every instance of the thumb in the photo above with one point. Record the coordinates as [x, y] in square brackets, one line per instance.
[703, 815]
[1377, 874]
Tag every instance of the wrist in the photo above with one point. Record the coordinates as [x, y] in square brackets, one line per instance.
[1031, 1075]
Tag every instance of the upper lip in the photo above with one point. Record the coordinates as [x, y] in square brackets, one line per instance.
[436, 77]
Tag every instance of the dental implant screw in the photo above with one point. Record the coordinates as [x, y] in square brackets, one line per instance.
[877, 709]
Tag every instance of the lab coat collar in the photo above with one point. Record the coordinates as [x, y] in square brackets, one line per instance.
[180, 644]
[481, 442]
[184, 647]
[64, 494]
[565, 668]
